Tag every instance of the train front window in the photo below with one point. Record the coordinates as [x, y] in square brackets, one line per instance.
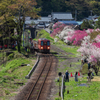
[41, 43]
[48, 43]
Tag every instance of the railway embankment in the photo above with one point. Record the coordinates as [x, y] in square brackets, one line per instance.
[13, 72]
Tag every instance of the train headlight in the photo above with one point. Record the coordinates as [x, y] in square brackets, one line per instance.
[48, 47]
[41, 47]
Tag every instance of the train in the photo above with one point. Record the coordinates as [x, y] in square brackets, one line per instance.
[42, 45]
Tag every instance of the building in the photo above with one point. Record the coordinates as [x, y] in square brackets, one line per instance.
[55, 16]
[33, 21]
[95, 17]
[61, 16]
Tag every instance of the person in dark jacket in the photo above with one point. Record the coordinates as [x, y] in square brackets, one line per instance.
[76, 76]
[89, 75]
[89, 65]
[67, 76]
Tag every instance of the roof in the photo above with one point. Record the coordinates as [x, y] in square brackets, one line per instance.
[31, 21]
[91, 18]
[79, 22]
[70, 22]
[61, 15]
[42, 19]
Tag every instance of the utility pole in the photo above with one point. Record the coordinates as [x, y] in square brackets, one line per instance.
[23, 33]
[75, 15]
[91, 12]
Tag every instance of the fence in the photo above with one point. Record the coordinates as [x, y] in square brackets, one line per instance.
[62, 87]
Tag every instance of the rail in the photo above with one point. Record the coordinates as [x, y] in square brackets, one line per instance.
[44, 81]
[29, 74]
[62, 87]
[38, 94]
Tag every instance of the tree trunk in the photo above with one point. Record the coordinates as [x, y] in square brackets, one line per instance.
[19, 42]
[18, 45]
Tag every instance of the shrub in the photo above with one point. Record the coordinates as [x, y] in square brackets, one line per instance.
[84, 69]
[7, 92]
[10, 56]
[58, 98]
[86, 24]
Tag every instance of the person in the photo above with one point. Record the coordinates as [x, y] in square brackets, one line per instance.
[26, 49]
[76, 77]
[0, 47]
[96, 71]
[31, 45]
[5, 46]
[67, 76]
[89, 75]
[92, 74]
[82, 63]
[50, 32]
[89, 65]
[85, 60]
[12, 45]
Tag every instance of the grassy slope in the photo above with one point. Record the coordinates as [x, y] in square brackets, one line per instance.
[44, 34]
[12, 75]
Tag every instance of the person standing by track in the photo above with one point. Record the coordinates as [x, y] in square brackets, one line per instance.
[89, 75]
[76, 76]
[67, 76]
[31, 45]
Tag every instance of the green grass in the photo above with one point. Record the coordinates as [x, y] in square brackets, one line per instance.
[12, 73]
[59, 41]
[44, 34]
[69, 49]
[13, 70]
[76, 92]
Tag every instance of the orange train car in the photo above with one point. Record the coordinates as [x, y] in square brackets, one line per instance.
[42, 45]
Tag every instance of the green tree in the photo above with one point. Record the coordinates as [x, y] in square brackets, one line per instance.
[18, 10]
[86, 24]
[97, 23]
[81, 6]
[6, 21]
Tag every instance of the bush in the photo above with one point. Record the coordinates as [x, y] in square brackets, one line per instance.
[58, 98]
[84, 69]
[86, 24]
[7, 92]
[11, 56]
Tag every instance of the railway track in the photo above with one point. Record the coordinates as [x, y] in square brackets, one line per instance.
[40, 82]
[36, 90]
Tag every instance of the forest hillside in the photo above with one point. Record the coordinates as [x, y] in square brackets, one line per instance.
[81, 8]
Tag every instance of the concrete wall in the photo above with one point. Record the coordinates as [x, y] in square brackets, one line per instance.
[33, 33]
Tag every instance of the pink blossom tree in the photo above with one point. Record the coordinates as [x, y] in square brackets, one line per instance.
[77, 37]
[57, 28]
[90, 50]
